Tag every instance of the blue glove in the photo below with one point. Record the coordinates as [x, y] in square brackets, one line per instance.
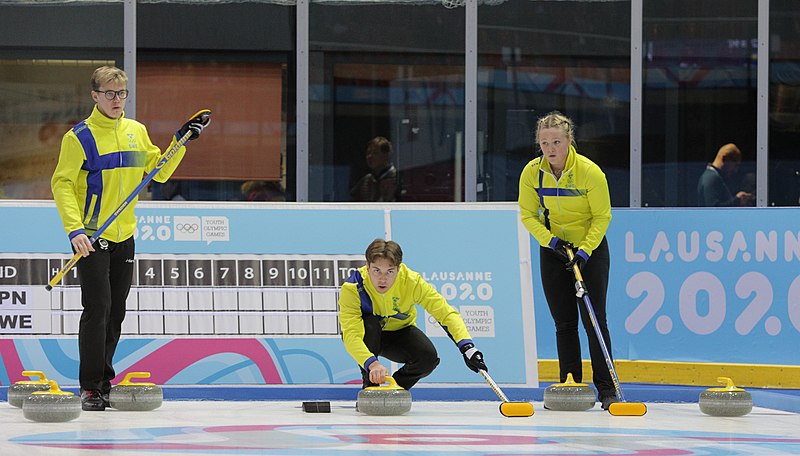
[473, 358]
[580, 258]
[559, 246]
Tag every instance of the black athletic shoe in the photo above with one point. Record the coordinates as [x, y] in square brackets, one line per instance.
[106, 397]
[608, 400]
[92, 401]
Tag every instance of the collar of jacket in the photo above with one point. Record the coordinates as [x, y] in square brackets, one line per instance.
[545, 165]
[101, 120]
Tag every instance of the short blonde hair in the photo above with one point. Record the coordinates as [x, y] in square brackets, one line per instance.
[557, 120]
[389, 250]
[108, 74]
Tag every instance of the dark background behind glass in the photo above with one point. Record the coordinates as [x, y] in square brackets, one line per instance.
[397, 70]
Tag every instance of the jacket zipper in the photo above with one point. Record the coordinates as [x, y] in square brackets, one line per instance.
[116, 137]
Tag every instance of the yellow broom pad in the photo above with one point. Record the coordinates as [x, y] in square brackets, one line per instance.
[516, 409]
[627, 409]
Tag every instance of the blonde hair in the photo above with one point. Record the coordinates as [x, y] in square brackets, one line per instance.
[389, 250]
[108, 74]
[557, 120]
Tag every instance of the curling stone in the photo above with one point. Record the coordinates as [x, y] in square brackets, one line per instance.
[51, 406]
[726, 401]
[130, 396]
[18, 392]
[569, 396]
[384, 400]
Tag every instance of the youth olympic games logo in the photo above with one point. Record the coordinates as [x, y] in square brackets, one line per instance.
[187, 228]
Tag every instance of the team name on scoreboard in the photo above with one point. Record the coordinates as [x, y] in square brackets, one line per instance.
[16, 310]
[20, 305]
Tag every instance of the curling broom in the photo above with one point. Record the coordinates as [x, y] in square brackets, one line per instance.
[508, 408]
[621, 408]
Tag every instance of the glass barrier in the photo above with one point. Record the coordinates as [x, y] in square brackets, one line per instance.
[44, 85]
[243, 70]
[387, 94]
[537, 57]
[386, 102]
[699, 94]
[784, 104]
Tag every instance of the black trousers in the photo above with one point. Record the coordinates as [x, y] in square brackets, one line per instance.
[559, 290]
[105, 277]
[408, 345]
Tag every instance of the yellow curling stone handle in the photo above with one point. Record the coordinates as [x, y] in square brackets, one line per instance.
[390, 387]
[54, 390]
[131, 375]
[570, 382]
[729, 386]
[42, 379]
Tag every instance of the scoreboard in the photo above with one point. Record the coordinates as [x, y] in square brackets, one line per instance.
[248, 293]
[186, 295]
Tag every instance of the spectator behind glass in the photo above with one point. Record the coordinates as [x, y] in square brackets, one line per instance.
[712, 187]
[171, 190]
[263, 191]
[382, 182]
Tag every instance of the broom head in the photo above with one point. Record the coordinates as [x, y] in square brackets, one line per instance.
[627, 409]
[516, 409]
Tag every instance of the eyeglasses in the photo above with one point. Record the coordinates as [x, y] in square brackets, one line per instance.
[110, 94]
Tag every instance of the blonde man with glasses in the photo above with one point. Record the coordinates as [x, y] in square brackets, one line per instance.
[102, 160]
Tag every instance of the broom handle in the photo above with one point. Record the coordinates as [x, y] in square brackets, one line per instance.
[580, 287]
[493, 385]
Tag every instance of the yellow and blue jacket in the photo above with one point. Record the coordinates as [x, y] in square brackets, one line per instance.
[576, 208]
[396, 307]
[101, 162]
